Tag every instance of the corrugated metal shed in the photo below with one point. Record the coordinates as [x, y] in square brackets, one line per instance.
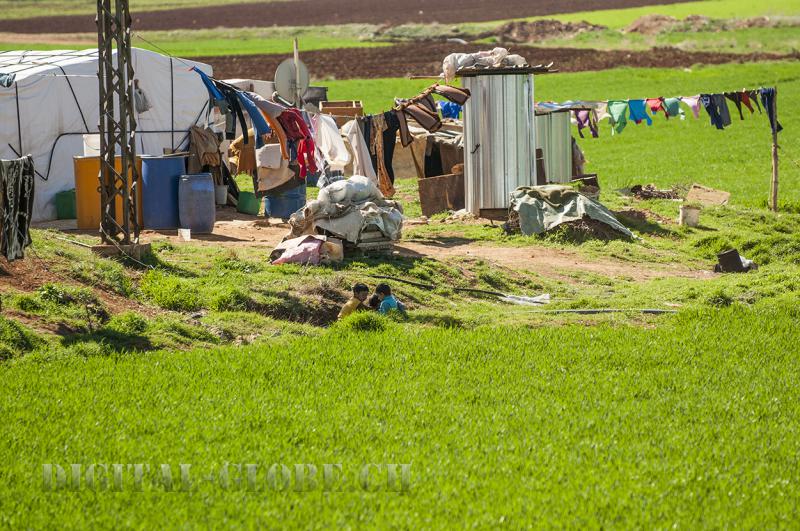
[499, 137]
[554, 138]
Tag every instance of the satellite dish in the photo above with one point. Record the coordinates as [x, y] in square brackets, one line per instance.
[286, 80]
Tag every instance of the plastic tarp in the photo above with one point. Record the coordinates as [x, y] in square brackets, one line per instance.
[54, 99]
[345, 208]
[542, 208]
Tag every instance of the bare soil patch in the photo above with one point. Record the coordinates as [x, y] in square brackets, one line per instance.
[554, 263]
[320, 12]
[425, 58]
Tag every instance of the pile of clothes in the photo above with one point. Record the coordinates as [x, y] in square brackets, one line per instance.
[496, 58]
[16, 206]
[345, 209]
[542, 208]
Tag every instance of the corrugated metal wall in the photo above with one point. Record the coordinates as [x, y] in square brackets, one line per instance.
[499, 139]
[554, 137]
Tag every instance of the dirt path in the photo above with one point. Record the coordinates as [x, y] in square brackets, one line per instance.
[239, 230]
[425, 58]
[321, 12]
[554, 263]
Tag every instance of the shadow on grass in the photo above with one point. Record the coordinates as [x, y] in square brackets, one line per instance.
[115, 340]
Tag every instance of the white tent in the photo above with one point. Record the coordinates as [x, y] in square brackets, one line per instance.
[53, 101]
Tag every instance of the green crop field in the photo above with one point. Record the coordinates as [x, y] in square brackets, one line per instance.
[494, 414]
[691, 424]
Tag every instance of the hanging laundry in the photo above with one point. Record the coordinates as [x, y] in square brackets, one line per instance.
[422, 109]
[722, 109]
[616, 111]
[657, 104]
[753, 96]
[454, 94]
[673, 108]
[378, 127]
[768, 98]
[745, 97]
[329, 142]
[297, 131]
[270, 111]
[256, 117]
[362, 165]
[694, 104]
[16, 206]
[235, 112]
[736, 98]
[586, 118]
[449, 109]
[602, 110]
[638, 112]
[242, 155]
[710, 104]
[390, 141]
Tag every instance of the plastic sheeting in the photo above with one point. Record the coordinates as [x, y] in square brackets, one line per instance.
[542, 208]
[55, 100]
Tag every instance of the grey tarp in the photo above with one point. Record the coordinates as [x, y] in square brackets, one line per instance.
[543, 207]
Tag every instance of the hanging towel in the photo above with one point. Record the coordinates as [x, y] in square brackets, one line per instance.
[657, 104]
[616, 111]
[362, 165]
[768, 99]
[673, 108]
[638, 112]
[602, 110]
[694, 104]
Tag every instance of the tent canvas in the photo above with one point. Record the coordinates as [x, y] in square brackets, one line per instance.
[53, 101]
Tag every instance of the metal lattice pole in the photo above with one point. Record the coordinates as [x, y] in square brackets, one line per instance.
[118, 182]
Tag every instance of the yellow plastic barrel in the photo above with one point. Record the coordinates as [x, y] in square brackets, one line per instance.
[87, 192]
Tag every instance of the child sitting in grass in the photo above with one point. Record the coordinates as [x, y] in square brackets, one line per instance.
[388, 302]
[356, 302]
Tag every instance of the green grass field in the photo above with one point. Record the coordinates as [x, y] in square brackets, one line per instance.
[691, 424]
[507, 415]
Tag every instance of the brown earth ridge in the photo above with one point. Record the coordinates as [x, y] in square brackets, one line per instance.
[425, 58]
[321, 12]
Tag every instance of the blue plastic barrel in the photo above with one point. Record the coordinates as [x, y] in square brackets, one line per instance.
[198, 211]
[160, 191]
[286, 203]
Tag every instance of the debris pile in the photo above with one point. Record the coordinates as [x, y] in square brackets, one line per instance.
[649, 191]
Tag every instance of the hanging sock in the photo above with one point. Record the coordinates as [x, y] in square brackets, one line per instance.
[657, 104]
[638, 112]
[768, 99]
[673, 108]
[617, 110]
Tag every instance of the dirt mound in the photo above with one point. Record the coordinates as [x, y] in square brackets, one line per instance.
[652, 24]
[319, 12]
[540, 30]
[425, 58]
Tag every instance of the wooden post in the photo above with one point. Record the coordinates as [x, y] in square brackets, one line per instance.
[297, 102]
[774, 189]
